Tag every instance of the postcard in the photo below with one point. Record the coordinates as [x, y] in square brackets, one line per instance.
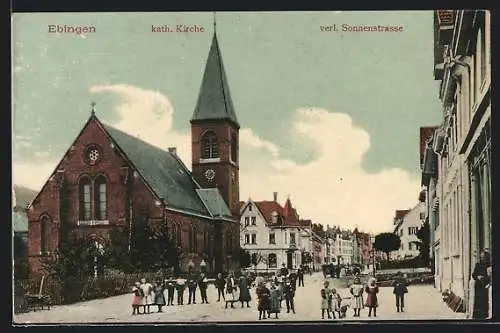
[265, 167]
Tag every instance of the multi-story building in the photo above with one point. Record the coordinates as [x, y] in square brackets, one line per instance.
[272, 234]
[428, 196]
[365, 249]
[406, 228]
[462, 64]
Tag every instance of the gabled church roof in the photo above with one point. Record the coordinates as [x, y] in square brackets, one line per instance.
[214, 99]
[214, 202]
[163, 171]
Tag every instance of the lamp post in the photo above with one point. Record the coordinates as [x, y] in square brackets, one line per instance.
[99, 252]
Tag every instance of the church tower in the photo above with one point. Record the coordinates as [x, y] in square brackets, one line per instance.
[215, 132]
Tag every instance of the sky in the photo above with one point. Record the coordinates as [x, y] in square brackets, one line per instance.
[329, 119]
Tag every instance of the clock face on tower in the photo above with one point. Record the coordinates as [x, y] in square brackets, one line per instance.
[210, 174]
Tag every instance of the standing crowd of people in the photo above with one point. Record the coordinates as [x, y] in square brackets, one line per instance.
[270, 292]
[360, 297]
[162, 293]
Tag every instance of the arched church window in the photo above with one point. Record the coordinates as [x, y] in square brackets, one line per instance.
[85, 201]
[234, 148]
[44, 233]
[192, 240]
[100, 195]
[210, 145]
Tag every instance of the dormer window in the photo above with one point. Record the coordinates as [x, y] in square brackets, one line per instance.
[249, 207]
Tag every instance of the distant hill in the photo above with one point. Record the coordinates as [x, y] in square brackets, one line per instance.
[22, 196]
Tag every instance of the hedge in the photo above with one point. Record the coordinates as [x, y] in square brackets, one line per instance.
[83, 289]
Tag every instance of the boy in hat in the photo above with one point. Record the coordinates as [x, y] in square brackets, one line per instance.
[289, 294]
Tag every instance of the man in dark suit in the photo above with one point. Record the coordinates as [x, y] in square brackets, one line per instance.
[192, 283]
[203, 285]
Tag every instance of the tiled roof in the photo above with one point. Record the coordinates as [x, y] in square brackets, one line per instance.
[214, 99]
[290, 214]
[163, 171]
[400, 214]
[267, 208]
[214, 202]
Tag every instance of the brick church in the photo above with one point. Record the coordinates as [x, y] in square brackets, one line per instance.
[109, 179]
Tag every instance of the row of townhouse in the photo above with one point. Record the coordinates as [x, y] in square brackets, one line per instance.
[456, 166]
[275, 235]
[348, 247]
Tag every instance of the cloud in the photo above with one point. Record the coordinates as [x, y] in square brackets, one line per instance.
[333, 189]
[248, 137]
[148, 115]
[32, 175]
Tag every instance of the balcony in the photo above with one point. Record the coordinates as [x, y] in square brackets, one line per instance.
[92, 223]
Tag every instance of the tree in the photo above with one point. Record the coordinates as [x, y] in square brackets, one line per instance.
[21, 265]
[74, 258]
[387, 242]
[245, 258]
[152, 248]
[423, 234]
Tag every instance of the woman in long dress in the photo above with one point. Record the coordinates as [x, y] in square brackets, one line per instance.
[232, 291]
[244, 291]
[371, 297]
[481, 286]
[158, 289]
[357, 296]
[263, 305]
[275, 300]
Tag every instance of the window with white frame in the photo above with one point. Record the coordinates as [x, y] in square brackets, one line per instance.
[272, 238]
[247, 239]
[254, 220]
[247, 221]
[254, 239]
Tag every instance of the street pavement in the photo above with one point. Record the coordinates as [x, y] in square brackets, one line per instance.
[422, 303]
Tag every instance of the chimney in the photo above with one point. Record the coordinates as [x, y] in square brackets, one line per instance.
[275, 196]
[172, 150]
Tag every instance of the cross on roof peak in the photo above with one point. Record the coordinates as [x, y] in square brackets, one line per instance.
[92, 105]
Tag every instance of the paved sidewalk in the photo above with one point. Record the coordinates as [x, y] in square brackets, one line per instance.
[422, 303]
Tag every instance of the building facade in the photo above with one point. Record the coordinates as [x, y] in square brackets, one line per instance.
[272, 234]
[407, 228]
[429, 197]
[110, 180]
[462, 64]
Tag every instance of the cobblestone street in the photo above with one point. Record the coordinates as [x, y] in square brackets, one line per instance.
[422, 303]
